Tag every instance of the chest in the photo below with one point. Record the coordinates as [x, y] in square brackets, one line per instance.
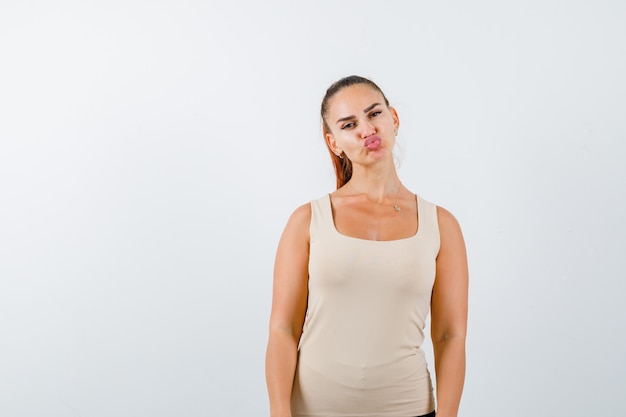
[365, 220]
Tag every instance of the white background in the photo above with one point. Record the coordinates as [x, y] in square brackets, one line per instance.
[151, 153]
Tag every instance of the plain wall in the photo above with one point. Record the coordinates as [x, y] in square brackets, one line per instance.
[151, 153]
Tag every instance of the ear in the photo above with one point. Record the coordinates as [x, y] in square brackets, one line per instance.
[396, 119]
[330, 140]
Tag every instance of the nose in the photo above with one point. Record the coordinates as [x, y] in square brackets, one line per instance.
[367, 129]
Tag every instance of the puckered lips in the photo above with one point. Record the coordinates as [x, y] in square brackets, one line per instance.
[372, 142]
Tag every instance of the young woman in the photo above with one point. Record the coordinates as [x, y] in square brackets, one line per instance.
[356, 274]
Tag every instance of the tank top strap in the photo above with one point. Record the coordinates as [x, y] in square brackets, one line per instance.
[428, 222]
[322, 223]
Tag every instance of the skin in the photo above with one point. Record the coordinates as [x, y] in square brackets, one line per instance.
[362, 209]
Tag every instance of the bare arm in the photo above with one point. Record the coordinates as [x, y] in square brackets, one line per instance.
[449, 315]
[289, 304]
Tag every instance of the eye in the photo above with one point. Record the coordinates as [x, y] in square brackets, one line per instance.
[347, 126]
[375, 113]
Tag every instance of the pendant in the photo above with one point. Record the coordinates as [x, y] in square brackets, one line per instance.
[396, 208]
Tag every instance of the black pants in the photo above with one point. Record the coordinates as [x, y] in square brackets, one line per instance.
[428, 415]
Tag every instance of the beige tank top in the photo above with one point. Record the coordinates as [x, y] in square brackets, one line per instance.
[359, 354]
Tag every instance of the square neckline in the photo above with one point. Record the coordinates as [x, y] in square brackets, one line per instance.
[338, 233]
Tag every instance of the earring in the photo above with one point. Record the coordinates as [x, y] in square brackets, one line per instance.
[340, 155]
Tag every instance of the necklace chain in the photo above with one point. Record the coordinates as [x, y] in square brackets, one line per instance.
[396, 208]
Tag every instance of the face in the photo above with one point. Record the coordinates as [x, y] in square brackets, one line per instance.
[361, 125]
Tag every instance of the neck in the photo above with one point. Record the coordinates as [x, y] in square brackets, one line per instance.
[377, 184]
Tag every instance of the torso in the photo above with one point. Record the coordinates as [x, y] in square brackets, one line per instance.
[369, 296]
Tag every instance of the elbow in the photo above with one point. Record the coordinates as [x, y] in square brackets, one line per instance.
[282, 331]
[445, 338]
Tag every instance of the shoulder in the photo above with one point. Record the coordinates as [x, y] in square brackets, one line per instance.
[450, 232]
[447, 221]
[298, 224]
[301, 215]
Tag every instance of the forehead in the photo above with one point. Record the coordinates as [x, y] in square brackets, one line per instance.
[353, 99]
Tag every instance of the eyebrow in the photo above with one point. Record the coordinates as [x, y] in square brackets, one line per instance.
[368, 108]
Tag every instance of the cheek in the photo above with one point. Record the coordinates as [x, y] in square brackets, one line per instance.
[348, 142]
